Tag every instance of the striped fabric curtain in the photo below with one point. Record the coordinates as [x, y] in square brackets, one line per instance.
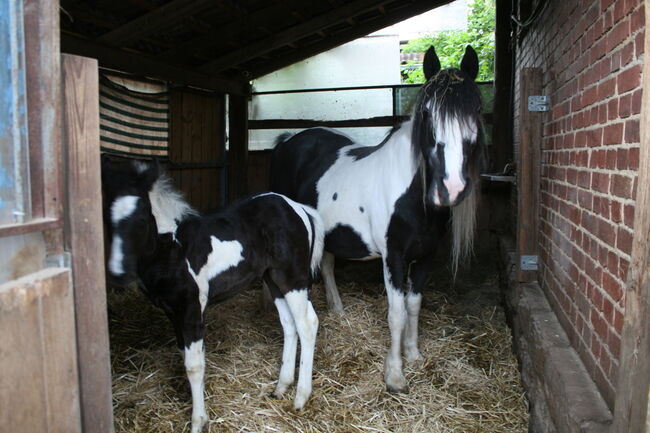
[133, 122]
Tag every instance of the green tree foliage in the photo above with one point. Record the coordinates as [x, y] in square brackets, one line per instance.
[450, 45]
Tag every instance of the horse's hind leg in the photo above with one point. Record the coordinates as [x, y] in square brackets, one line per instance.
[306, 322]
[290, 339]
[416, 280]
[327, 270]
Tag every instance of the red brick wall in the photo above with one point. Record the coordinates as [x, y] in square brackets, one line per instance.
[590, 52]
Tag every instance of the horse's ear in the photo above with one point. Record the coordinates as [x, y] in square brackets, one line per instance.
[431, 63]
[469, 64]
[152, 173]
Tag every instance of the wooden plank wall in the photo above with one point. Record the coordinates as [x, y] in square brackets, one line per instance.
[85, 239]
[197, 141]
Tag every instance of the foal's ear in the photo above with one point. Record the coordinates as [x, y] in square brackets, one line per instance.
[431, 63]
[469, 64]
[149, 173]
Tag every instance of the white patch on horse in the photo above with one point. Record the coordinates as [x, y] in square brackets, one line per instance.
[123, 207]
[386, 174]
[224, 255]
[167, 205]
[115, 263]
[195, 368]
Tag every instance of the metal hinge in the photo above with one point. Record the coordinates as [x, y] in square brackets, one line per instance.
[528, 263]
[539, 103]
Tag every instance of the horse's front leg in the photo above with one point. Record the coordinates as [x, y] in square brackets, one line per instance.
[394, 273]
[418, 273]
[327, 271]
[193, 330]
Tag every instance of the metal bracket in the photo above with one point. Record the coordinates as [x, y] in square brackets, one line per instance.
[539, 103]
[528, 263]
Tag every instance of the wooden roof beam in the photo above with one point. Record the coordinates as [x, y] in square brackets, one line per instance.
[154, 21]
[299, 31]
[140, 64]
[410, 10]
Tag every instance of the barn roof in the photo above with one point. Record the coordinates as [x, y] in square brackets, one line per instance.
[220, 44]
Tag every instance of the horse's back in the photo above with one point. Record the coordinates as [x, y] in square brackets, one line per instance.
[302, 159]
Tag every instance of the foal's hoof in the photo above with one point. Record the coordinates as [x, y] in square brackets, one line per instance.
[198, 423]
[397, 390]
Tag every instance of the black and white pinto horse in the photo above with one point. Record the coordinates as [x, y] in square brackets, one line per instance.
[394, 200]
[183, 261]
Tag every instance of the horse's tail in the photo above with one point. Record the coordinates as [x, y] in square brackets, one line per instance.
[282, 138]
[317, 238]
[463, 228]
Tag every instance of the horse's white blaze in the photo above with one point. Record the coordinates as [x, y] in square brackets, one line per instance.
[195, 368]
[288, 366]
[306, 323]
[115, 263]
[386, 174]
[123, 207]
[451, 134]
[224, 255]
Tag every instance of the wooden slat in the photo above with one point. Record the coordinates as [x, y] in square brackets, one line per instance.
[409, 10]
[84, 236]
[280, 39]
[38, 384]
[528, 171]
[308, 123]
[42, 59]
[631, 405]
[141, 64]
[154, 21]
[238, 149]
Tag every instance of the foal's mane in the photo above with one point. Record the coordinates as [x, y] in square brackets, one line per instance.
[168, 205]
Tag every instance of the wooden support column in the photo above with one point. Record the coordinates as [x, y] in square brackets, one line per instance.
[85, 239]
[528, 173]
[502, 151]
[631, 404]
[238, 149]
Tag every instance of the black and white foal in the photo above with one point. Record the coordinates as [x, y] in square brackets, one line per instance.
[393, 200]
[185, 261]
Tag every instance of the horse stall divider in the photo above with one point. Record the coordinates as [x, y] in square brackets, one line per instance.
[631, 405]
[528, 174]
[85, 239]
[238, 150]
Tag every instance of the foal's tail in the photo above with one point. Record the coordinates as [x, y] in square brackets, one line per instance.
[317, 239]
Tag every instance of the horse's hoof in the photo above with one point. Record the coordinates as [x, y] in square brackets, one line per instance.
[397, 390]
[198, 423]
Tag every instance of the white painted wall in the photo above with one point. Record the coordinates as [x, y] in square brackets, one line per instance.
[367, 61]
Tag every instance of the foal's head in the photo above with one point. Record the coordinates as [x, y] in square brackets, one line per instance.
[127, 214]
[446, 127]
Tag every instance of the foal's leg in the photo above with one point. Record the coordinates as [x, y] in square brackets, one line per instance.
[195, 362]
[418, 274]
[290, 339]
[306, 322]
[327, 270]
[394, 281]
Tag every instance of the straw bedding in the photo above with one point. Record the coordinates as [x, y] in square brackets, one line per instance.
[467, 383]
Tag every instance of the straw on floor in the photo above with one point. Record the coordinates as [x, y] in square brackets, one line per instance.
[467, 383]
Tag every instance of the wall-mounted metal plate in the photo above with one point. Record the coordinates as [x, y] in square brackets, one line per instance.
[539, 103]
[528, 263]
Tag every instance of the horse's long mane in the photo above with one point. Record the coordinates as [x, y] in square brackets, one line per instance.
[168, 205]
[447, 96]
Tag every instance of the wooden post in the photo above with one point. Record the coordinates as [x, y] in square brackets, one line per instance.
[238, 150]
[631, 404]
[502, 151]
[528, 174]
[85, 239]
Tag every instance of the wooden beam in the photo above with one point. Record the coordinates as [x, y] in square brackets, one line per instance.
[631, 404]
[85, 239]
[141, 64]
[306, 123]
[528, 173]
[407, 11]
[256, 49]
[154, 21]
[238, 148]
